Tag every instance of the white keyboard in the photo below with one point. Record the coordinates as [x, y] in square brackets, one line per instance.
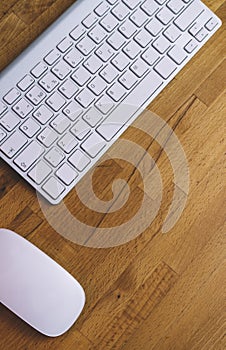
[59, 99]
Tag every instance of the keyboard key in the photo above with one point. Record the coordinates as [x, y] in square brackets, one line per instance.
[29, 155]
[9, 121]
[97, 34]
[150, 56]
[54, 157]
[12, 96]
[13, 144]
[104, 104]
[139, 18]
[79, 160]
[81, 76]
[97, 85]
[128, 29]
[56, 101]
[36, 95]
[68, 142]
[2, 134]
[121, 61]
[85, 98]
[80, 129]
[177, 54]
[43, 114]
[190, 14]
[120, 11]
[86, 46]
[61, 70]
[93, 145]
[93, 64]
[201, 35]
[161, 44]
[105, 52]
[132, 50]
[92, 117]
[175, 6]
[39, 69]
[211, 24]
[165, 15]
[47, 137]
[23, 108]
[52, 57]
[165, 67]
[65, 44]
[139, 68]
[131, 3]
[68, 89]
[150, 7]
[53, 188]
[60, 124]
[66, 174]
[49, 82]
[3, 108]
[90, 20]
[172, 33]
[40, 172]
[109, 73]
[128, 80]
[73, 110]
[154, 27]
[191, 46]
[109, 22]
[25, 83]
[143, 38]
[30, 128]
[101, 9]
[73, 57]
[116, 92]
[116, 40]
[78, 32]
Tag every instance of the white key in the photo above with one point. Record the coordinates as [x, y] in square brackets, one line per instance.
[109, 22]
[43, 114]
[30, 128]
[177, 54]
[80, 129]
[92, 117]
[93, 145]
[3, 108]
[65, 44]
[116, 92]
[52, 57]
[120, 11]
[154, 27]
[105, 52]
[109, 73]
[165, 15]
[73, 110]
[165, 67]
[86, 46]
[49, 82]
[175, 6]
[60, 124]
[128, 80]
[132, 50]
[160, 2]
[68, 142]
[102, 9]
[116, 120]
[202, 34]
[79, 160]
[40, 172]
[39, 69]
[25, 83]
[81, 76]
[139, 68]
[73, 57]
[90, 20]
[56, 101]
[143, 38]
[104, 104]
[93, 64]
[195, 29]
[13, 144]
[121, 61]
[36, 95]
[22, 108]
[97, 85]
[9, 121]
[128, 29]
[172, 33]
[68, 89]
[189, 15]
[66, 174]
[150, 56]
[61, 70]
[211, 24]
[54, 157]
[161, 44]
[12, 96]
[139, 18]
[47, 137]
[116, 40]
[29, 155]
[97, 34]
[131, 3]
[150, 7]
[85, 98]
[78, 32]
[191, 46]
[2, 135]
[53, 188]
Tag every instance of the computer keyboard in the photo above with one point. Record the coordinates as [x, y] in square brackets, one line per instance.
[60, 99]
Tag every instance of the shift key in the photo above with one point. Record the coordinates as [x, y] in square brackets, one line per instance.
[29, 156]
[189, 15]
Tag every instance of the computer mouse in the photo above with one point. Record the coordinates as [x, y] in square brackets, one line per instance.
[36, 288]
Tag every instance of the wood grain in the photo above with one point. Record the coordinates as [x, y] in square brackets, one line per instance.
[159, 291]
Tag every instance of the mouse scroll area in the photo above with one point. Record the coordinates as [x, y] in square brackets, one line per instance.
[36, 288]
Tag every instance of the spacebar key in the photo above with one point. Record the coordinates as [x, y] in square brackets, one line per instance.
[129, 106]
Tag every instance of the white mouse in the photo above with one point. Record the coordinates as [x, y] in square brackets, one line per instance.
[36, 288]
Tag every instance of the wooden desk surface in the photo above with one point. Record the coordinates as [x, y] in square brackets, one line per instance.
[158, 291]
